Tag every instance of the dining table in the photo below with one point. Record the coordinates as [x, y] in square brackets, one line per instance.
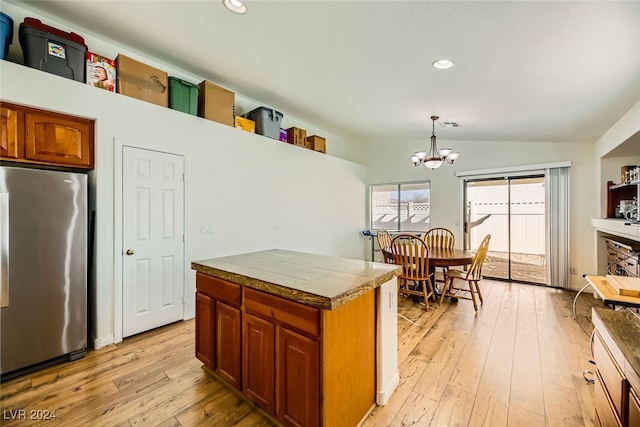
[444, 257]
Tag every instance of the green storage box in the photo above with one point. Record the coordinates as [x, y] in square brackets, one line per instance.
[183, 96]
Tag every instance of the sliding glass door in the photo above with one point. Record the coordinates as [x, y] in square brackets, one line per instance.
[512, 210]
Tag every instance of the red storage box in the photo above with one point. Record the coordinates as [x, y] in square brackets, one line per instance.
[52, 50]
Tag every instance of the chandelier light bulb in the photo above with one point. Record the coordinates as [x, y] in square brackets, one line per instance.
[444, 152]
[451, 157]
[433, 163]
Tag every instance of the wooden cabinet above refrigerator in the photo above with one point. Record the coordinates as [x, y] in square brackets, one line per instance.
[39, 137]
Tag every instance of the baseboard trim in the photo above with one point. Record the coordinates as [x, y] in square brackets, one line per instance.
[98, 343]
[385, 393]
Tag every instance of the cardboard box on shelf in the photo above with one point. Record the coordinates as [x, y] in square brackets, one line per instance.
[142, 81]
[245, 124]
[296, 136]
[101, 72]
[216, 103]
[317, 143]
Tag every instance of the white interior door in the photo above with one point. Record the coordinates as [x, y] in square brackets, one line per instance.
[153, 239]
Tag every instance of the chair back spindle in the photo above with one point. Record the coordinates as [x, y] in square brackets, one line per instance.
[439, 237]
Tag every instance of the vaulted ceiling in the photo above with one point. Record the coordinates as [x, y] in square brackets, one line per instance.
[549, 71]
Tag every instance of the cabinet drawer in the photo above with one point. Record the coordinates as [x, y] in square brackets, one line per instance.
[220, 289]
[634, 409]
[605, 412]
[614, 381]
[290, 313]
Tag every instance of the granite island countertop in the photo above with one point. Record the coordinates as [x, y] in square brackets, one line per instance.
[624, 329]
[315, 280]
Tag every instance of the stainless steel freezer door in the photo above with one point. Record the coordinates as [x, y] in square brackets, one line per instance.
[46, 316]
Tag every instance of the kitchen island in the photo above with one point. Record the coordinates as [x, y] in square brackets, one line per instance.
[616, 351]
[310, 339]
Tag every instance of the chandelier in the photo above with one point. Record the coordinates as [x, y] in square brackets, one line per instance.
[434, 158]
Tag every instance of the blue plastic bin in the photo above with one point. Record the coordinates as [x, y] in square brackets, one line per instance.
[6, 25]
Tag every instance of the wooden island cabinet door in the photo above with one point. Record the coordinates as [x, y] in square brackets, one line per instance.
[228, 345]
[258, 358]
[205, 311]
[298, 379]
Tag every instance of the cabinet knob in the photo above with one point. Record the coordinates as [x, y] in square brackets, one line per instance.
[130, 252]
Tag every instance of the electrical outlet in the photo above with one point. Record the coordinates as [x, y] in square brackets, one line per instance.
[207, 229]
[573, 270]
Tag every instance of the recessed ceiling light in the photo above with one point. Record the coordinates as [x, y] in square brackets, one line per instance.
[235, 6]
[442, 64]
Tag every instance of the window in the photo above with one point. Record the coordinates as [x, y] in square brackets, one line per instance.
[400, 206]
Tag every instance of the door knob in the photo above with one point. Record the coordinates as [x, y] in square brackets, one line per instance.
[130, 252]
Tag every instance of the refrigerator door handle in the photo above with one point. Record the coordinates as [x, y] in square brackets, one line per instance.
[4, 250]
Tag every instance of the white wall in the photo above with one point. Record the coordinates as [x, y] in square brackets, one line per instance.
[109, 49]
[619, 146]
[243, 184]
[621, 133]
[388, 161]
[330, 203]
[258, 193]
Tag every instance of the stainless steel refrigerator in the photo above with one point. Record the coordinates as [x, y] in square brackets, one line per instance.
[43, 267]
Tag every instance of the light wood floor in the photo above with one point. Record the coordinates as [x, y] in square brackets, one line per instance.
[518, 362]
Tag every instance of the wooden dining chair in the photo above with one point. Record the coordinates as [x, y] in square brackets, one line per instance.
[441, 238]
[472, 276]
[412, 253]
[384, 242]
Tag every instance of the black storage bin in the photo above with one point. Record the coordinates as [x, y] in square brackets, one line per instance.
[52, 50]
